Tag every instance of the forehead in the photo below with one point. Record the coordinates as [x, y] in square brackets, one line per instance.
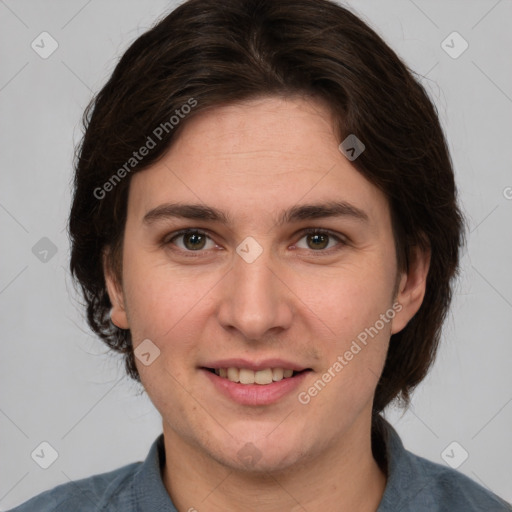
[254, 159]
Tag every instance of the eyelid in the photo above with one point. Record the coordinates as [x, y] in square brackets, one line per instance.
[342, 241]
[167, 240]
[333, 234]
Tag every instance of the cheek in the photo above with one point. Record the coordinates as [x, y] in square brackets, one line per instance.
[161, 298]
[344, 302]
[354, 348]
[169, 307]
[351, 316]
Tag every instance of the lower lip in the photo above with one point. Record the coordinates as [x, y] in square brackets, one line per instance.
[256, 394]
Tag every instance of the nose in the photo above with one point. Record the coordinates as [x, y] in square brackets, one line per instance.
[256, 299]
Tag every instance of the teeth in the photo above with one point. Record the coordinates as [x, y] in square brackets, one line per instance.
[263, 376]
[234, 374]
[277, 374]
[246, 376]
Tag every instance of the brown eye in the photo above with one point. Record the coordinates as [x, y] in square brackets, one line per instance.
[192, 240]
[319, 240]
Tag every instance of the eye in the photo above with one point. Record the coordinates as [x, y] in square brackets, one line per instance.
[195, 240]
[320, 239]
[192, 240]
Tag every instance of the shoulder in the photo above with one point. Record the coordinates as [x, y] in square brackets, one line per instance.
[449, 490]
[420, 485]
[88, 494]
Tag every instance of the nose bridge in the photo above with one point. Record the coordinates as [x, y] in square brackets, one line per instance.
[255, 300]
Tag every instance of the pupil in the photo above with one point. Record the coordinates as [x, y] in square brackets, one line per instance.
[194, 245]
[319, 238]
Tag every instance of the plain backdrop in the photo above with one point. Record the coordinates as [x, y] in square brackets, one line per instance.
[58, 382]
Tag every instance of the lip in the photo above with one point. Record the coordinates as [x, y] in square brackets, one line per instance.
[255, 394]
[253, 365]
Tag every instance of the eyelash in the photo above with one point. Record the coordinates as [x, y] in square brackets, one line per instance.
[307, 231]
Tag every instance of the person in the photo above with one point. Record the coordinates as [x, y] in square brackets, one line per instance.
[265, 223]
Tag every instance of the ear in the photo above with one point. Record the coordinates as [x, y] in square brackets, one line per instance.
[115, 292]
[412, 287]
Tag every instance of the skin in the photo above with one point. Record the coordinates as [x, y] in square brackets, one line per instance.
[299, 300]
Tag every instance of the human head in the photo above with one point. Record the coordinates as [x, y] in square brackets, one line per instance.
[207, 54]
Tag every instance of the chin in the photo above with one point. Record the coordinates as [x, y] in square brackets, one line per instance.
[272, 454]
[258, 462]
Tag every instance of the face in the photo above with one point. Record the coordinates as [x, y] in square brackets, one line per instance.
[249, 288]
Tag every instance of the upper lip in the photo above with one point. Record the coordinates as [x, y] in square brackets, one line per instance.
[255, 365]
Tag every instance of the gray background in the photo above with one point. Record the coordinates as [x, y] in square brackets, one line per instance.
[58, 383]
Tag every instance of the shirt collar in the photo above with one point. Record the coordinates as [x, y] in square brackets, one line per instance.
[149, 492]
[403, 479]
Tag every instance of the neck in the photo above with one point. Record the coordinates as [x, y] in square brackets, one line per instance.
[343, 477]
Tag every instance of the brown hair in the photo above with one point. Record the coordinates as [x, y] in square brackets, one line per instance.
[216, 53]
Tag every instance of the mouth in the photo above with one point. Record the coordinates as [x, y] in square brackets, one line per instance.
[262, 377]
[255, 382]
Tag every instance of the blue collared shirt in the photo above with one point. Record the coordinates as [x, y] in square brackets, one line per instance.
[414, 484]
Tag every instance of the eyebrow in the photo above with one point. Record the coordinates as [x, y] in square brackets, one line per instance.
[294, 214]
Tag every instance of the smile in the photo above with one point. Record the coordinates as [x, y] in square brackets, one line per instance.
[255, 387]
[248, 376]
